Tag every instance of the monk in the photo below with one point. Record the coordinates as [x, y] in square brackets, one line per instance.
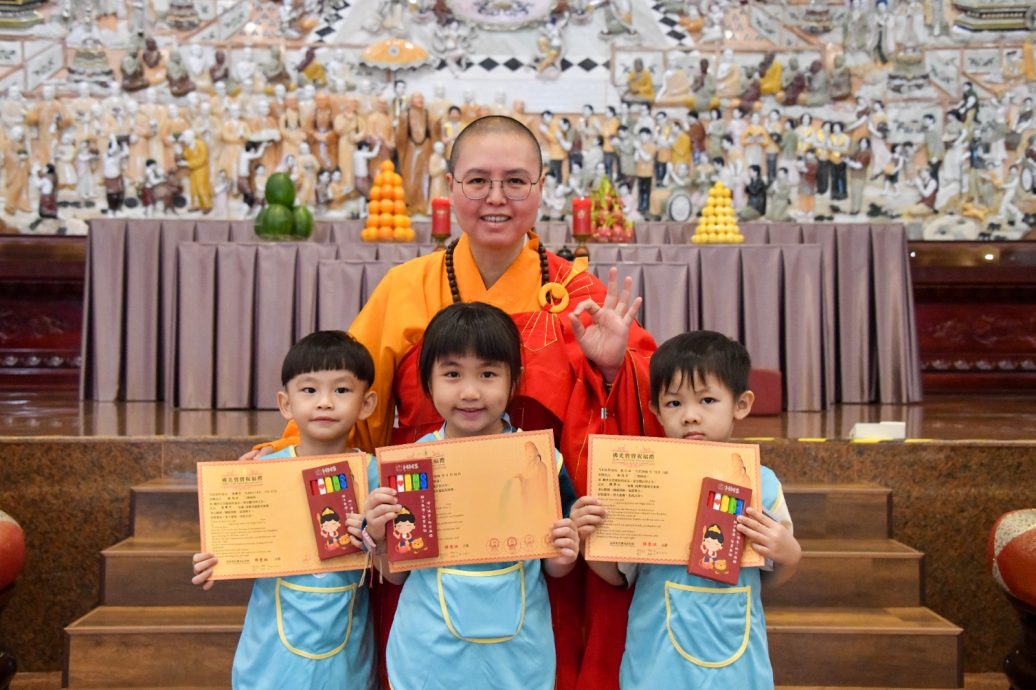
[585, 358]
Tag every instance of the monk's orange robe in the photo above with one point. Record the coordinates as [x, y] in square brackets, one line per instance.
[559, 390]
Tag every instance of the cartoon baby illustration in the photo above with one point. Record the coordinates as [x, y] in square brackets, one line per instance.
[404, 529]
[711, 545]
[330, 523]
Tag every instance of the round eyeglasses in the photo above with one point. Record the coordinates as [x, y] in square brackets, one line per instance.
[477, 188]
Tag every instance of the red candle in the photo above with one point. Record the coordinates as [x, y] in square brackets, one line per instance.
[440, 217]
[580, 216]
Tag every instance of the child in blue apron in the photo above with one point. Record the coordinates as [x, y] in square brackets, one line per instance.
[685, 631]
[472, 626]
[312, 632]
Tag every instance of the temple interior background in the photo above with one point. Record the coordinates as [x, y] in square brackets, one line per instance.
[881, 162]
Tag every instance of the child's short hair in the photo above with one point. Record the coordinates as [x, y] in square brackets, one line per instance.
[328, 351]
[698, 354]
[475, 328]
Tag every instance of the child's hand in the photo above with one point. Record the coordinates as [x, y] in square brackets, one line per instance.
[770, 538]
[256, 453]
[353, 523]
[381, 509]
[204, 564]
[565, 539]
[587, 515]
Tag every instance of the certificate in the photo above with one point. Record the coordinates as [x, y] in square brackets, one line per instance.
[495, 497]
[651, 488]
[255, 516]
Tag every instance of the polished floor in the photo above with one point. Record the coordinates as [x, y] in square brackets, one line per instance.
[942, 417]
[52, 681]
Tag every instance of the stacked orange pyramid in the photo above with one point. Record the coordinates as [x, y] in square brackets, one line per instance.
[387, 217]
[718, 222]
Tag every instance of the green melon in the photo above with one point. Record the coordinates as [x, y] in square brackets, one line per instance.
[278, 221]
[303, 221]
[280, 190]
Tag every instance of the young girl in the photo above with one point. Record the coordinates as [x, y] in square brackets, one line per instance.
[498, 633]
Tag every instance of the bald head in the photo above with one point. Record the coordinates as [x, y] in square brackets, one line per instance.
[493, 125]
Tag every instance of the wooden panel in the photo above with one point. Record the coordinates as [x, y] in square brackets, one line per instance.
[975, 306]
[41, 311]
[166, 508]
[837, 572]
[910, 647]
[857, 511]
[157, 572]
[156, 639]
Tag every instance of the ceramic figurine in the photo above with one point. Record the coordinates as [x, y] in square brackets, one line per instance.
[273, 68]
[133, 77]
[437, 169]
[549, 47]
[198, 67]
[859, 164]
[841, 82]
[86, 187]
[639, 86]
[149, 190]
[114, 184]
[16, 173]
[196, 160]
[348, 128]
[308, 167]
[245, 168]
[414, 138]
[152, 58]
[310, 70]
[778, 198]
[180, 83]
[755, 191]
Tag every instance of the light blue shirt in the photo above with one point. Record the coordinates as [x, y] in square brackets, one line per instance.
[472, 626]
[688, 632]
[306, 632]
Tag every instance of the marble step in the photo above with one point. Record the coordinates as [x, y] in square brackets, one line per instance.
[165, 508]
[115, 646]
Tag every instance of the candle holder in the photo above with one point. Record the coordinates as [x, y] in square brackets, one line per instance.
[581, 225]
[440, 222]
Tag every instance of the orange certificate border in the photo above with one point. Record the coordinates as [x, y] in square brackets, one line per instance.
[680, 509]
[455, 454]
[289, 510]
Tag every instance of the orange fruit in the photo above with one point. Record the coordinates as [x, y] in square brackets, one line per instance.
[397, 179]
[374, 207]
[400, 234]
[399, 221]
[385, 233]
[387, 165]
[399, 207]
[398, 193]
[369, 234]
[380, 179]
[387, 219]
[375, 193]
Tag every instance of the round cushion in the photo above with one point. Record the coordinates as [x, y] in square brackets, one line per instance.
[12, 549]
[1012, 553]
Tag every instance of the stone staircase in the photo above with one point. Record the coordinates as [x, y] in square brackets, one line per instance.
[853, 616]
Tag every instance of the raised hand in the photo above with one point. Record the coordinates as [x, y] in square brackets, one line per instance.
[605, 340]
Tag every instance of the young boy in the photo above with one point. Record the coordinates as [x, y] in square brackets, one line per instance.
[311, 631]
[685, 631]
